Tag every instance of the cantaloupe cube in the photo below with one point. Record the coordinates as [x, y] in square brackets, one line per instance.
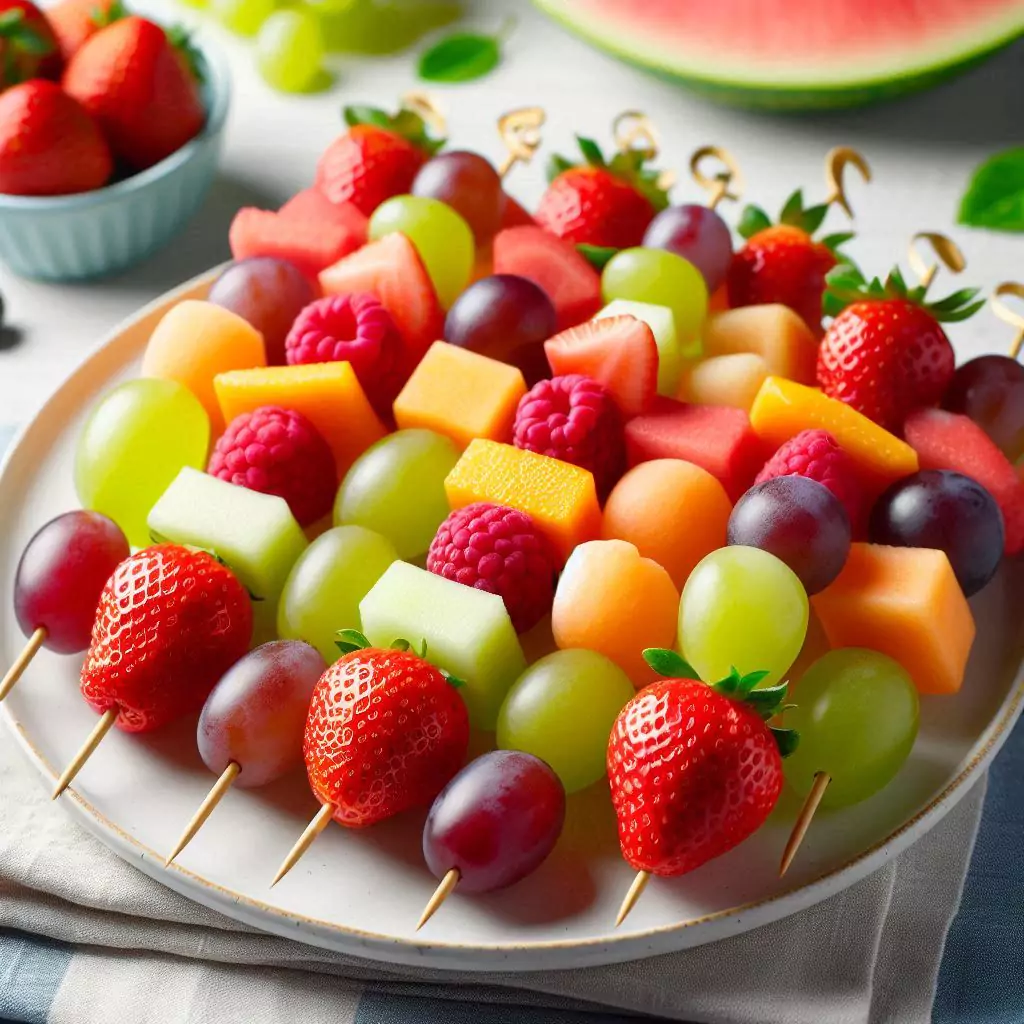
[904, 602]
[774, 332]
[724, 380]
[783, 408]
[461, 394]
[561, 498]
[327, 394]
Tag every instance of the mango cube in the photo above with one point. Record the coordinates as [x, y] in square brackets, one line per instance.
[662, 323]
[327, 394]
[467, 631]
[561, 498]
[461, 394]
[906, 603]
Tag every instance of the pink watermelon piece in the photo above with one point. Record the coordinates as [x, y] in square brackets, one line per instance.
[947, 440]
[309, 244]
[391, 269]
[717, 438]
[571, 283]
[312, 205]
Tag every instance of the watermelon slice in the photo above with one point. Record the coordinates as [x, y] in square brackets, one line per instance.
[571, 283]
[794, 54]
[392, 270]
[619, 352]
[947, 440]
[312, 205]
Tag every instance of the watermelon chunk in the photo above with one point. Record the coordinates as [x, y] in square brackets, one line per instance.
[717, 438]
[619, 352]
[947, 440]
[312, 205]
[571, 283]
[391, 269]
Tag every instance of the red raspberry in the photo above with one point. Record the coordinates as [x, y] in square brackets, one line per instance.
[816, 455]
[356, 329]
[499, 550]
[278, 451]
[573, 418]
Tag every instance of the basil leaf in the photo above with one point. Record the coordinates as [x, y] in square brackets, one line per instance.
[995, 196]
[461, 57]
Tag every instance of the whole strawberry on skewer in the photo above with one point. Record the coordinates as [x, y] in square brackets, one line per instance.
[694, 768]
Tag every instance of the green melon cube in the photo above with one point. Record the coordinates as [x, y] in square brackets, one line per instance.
[467, 631]
[662, 323]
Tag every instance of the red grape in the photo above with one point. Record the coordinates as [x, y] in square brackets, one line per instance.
[990, 390]
[947, 511]
[470, 185]
[62, 571]
[269, 293]
[496, 821]
[697, 234]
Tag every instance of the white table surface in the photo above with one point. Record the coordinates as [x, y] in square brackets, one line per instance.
[922, 150]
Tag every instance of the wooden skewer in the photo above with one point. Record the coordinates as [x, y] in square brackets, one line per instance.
[520, 131]
[635, 891]
[444, 889]
[1003, 311]
[102, 727]
[946, 249]
[29, 651]
[803, 821]
[836, 162]
[313, 829]
[726, 184]
[206, 808]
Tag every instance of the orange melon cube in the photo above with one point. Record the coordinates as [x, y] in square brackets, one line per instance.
[724, 380]
[783, 408]
[461, 394]
[327, 394]
[906, 603]
[561, 498]
[774, 332]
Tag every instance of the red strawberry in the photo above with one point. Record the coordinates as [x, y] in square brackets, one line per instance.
[386, 731]
[171, 621]
[601, 203]
[694, 769]
[142, 85]
[75, 21]
[377, 158]
[885, 352]
[28, 46]
[48, 144]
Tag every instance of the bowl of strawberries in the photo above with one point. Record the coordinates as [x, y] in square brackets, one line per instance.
[110, 131]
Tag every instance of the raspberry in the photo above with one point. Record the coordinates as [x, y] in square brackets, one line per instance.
[278, 451]
[816, 455]
[356, 329]
[573, 418]
[499, 550]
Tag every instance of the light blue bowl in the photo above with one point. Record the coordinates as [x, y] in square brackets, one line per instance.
[70, 238]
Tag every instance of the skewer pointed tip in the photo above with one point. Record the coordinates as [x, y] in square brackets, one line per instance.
[444, 889]
[634, 893]
[804, 819]
[205, 809]
[92, 741]
[320, 821]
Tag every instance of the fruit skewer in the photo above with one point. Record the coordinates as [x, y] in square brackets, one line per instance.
[1008, 315]
[520, 131]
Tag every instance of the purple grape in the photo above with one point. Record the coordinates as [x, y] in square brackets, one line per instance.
[470, 185]
[990, 390]
[269, 293]
[697, 234]
[946, 511]
[507, 318]
[61, 575]
[799, 521]
[496, 821]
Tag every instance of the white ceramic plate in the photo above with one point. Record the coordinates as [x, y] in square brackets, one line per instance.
[361, 893]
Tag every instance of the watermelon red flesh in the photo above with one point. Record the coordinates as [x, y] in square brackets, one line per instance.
[309, 204]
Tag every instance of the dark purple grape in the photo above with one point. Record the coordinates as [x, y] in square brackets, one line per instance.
[946, 511]
[507, 318]
[697, 234]
[470, 185]
[496, 821]
[269, 293]
[62, 572]
[799, 521]
[990, 390]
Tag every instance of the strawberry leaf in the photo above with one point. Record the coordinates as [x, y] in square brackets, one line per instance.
[181, 39]
[669, 664]
[401, 644]
[787, 740]
[367, 115]
[793, 209]
[812, 219]
[454, 681]
[768, 701]
[591, 152]
[557, 165]
[597, 256]
[351, 640]
[114, 12]
[406, 123]
[834, 242]
[752, 220]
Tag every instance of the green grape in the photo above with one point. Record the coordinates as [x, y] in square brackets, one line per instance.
[377, 27]
[742, 607]
[244, 17]
[562, 709]
[665, 279]
[857, 714]
[442, 238]
[396, 487]
[327, 583]
[132, 447]
[290, 51]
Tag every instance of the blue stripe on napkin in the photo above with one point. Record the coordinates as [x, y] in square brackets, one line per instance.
[31, 970]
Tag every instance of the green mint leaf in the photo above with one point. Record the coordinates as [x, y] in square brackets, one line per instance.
[995, 196]
[752, 220]
[669, 664]
[596, 255]
[591, 151]
[793, 210]
[461, 57]
[787, 740]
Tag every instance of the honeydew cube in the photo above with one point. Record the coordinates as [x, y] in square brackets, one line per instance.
[671, 355]
[254, 534]
[467, 631]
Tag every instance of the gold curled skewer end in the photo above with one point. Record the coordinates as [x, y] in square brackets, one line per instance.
[634, 893]
[205, 809]
[837, 160]
[422, 103]
[726, 183]
[804, 819]
[92, 741]
[444, 889]
[945, 249]
[1008, 314]
[634, 130]
[303, 843]
[28, 652]
[520, 131]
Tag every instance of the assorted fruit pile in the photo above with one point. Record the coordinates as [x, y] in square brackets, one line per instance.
[90, 94]
[416, 466]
